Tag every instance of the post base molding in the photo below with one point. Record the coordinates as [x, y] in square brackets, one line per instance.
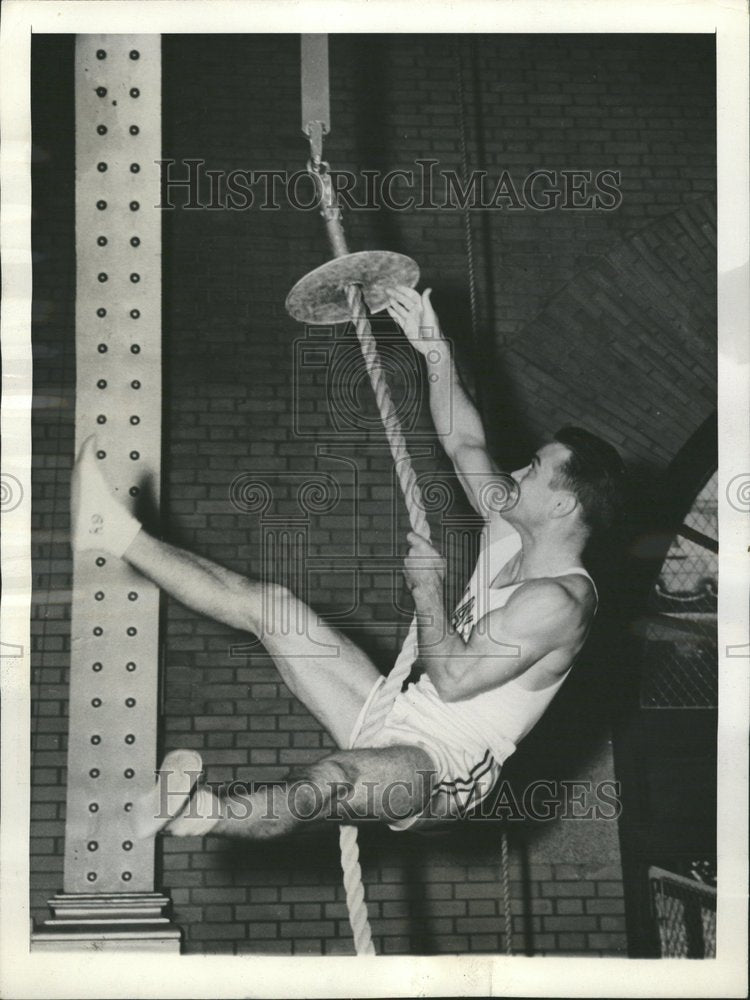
[113, 921]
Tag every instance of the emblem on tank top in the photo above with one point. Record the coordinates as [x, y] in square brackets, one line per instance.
[462, 618]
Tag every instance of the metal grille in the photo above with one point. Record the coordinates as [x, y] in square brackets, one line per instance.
[680, 656]
[685, 914]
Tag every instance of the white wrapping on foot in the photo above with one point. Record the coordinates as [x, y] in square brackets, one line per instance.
[177, 777]
[98, 519]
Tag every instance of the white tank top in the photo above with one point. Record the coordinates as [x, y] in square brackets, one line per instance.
[505, 714]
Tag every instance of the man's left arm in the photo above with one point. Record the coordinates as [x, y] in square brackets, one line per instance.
[540, 616]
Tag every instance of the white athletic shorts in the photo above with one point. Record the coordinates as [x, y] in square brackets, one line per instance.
[467, 769]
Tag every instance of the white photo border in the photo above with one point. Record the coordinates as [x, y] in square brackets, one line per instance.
[117, 975]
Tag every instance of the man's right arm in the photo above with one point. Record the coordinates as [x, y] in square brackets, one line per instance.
[456, 418]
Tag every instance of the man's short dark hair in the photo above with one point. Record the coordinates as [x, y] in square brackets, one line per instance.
[594, 473]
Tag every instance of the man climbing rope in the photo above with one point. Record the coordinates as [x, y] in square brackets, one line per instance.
[488, 673]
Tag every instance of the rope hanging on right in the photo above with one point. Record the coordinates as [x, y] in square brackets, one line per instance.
[463, 146]
[473, 305]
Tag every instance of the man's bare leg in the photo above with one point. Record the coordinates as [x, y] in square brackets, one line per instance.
[329, 674]
[387, 784]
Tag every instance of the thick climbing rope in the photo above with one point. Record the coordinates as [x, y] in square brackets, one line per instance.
[407, 477]
[387, 694]
[315, 123]
[473, 305]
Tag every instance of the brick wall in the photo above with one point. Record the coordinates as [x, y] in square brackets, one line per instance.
[444, 902]
[573, 326]
[52, 421]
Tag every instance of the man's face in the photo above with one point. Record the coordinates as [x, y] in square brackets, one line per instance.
[536, 497]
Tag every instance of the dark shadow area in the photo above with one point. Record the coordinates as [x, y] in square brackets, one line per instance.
[53, 433]
[665, 759]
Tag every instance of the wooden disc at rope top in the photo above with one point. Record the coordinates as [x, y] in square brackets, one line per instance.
[320, 297]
